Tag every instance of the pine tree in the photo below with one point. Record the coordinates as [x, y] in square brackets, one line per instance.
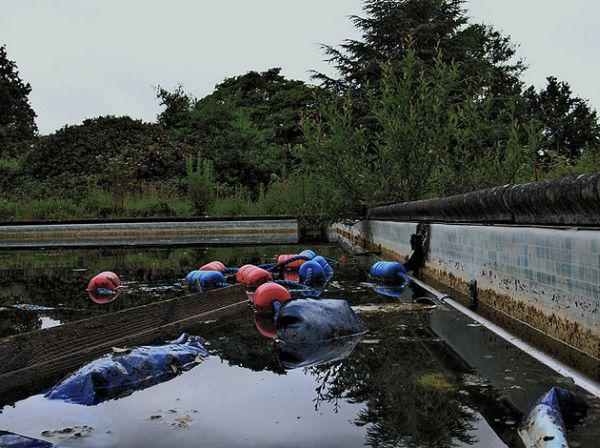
[390, 27]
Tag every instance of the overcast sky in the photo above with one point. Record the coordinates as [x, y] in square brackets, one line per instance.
[98, 57]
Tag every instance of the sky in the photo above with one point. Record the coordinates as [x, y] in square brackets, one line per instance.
[99, 57]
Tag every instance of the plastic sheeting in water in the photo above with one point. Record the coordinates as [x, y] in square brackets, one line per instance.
[312, 321]
[119, 374]
[544, 426]
[10, 440]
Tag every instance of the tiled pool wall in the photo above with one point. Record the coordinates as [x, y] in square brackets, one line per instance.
[546, 277]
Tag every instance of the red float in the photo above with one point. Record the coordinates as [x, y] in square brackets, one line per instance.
[294, 265]
[213, 266]
[268, 293]
[252, 276]
[105, 280]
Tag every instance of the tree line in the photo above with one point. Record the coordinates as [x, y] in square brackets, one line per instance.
[425, 103]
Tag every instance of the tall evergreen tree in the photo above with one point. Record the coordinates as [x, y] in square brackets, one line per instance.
[390, 27]
[17, 118]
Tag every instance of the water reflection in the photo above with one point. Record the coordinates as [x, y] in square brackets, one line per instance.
[399, 386]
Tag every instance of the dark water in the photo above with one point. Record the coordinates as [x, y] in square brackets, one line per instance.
[401, 386]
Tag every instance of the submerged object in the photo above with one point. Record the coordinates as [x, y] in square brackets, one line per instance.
[324, 264]
[10, 440]
[252, 276]
[213, 266]
[544, 425]
[103, 288]
[392, 291]
[311, 273]
[265, 325]
[269, 297]
[311, 321]
[199, 281]
[389, 272]
[295, 356]
[117, 375]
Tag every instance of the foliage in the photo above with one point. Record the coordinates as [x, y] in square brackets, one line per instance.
[437, 135]
[17, 118]
[571, 127]
[249, 126]
[77, 158]
[201, 184]
[393, 28]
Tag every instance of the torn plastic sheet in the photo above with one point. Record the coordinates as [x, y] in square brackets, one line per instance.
[117, 375]
[544, 425]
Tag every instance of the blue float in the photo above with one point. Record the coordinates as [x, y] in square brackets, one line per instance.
[205, 280]
[119, 374]
[308, 254]
[324, 264]
[389, 272]
[311, 273]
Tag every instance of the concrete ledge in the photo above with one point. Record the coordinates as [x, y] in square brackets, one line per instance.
[172, 232]
[568, 201]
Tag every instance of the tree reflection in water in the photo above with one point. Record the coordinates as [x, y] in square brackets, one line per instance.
[410, 397]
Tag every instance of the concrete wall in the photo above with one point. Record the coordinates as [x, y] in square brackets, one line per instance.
[178, 232]
[546, 277]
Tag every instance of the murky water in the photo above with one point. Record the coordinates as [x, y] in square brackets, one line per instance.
[400, 386]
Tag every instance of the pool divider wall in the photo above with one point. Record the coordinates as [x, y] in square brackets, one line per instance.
[31, 361]
[257, 230]
[545, 276]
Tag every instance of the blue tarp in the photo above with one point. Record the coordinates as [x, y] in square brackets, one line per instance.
[119, 374]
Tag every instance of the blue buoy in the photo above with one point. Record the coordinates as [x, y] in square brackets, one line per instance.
[324, 264]
[311, 273]
[308, 254]
[389, 272]
[205, 280]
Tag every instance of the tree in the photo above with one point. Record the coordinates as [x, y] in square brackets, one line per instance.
[570, 126]
[17, 118]
[176, 103]
[435, 134]
[392, 27]
[93, 153]
[249, 126]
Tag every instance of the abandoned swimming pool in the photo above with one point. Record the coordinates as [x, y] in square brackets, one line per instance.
[422, 376]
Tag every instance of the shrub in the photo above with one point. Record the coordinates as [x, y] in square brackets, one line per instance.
[201, 184]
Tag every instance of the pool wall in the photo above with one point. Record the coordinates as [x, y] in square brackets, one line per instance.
[203, 231]
[547, 276]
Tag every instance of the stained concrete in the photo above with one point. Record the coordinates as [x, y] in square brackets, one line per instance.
[546, 277]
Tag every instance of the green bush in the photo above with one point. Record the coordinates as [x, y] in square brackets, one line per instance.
[201, 184]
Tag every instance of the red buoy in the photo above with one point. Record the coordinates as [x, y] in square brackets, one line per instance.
[213, 266]
[102, 285]
[252, 276]
[268, 293]
[294, 265]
